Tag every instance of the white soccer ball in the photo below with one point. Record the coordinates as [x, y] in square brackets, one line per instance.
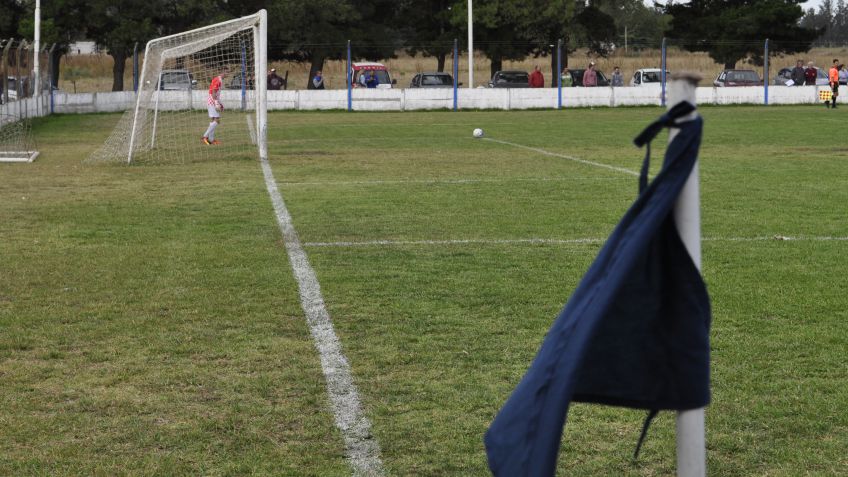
[478, 132]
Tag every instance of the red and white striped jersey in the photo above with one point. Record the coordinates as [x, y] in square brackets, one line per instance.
[214, 90]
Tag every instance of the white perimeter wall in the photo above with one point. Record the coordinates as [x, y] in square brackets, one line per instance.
[419, 99]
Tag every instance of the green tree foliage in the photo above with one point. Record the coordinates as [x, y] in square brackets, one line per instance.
[730, 30]
[61, 24]
[500, 28]
[643, 25]
[318, 30]
[11, 12]
[426, 27]
[117, 26]
[831, 19]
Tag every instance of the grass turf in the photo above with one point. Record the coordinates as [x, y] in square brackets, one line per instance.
[149, 322]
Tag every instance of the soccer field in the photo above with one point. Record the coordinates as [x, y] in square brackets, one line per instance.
[150, 323]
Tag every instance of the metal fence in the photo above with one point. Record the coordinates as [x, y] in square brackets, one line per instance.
[25, 79]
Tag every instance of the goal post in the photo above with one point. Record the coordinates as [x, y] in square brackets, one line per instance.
[16, 140]
[171, 114]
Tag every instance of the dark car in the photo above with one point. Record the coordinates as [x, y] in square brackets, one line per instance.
[738, 78]
[175, 80]
[432, 80]
[510, 79]
[577, 77]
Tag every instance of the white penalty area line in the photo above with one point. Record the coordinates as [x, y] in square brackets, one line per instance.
[543, 241]
[564, 156]
[363, 451]
[446, 181]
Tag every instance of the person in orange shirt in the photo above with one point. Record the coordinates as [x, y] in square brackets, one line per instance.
[833, 77]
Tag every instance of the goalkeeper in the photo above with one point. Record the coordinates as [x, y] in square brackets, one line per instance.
[213, 104]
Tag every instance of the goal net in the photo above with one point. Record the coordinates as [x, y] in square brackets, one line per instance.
[16, 141]
[186, 80]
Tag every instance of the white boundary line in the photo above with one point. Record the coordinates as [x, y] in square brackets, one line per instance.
[564, 156]
[363, 451]
[447, 181]
[543, 241]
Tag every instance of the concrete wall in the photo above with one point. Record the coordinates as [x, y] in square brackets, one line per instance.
[422, 99]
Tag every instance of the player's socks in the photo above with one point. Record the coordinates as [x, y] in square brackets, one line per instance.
[210, 131]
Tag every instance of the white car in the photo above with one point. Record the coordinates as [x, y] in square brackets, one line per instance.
[648, 77]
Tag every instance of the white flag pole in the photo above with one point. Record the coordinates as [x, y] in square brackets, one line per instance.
[691, 430]
[470, 46]
[36, 70]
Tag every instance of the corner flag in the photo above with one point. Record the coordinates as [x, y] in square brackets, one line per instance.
[635, 333]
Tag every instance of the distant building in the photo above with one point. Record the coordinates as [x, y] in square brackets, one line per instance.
[83, 48]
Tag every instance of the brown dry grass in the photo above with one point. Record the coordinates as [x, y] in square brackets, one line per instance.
[97, 69]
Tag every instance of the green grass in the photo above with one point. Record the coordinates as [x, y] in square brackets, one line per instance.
[150, 323]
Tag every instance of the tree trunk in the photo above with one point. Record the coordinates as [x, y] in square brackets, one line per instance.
[317, 65]
[55, 60]
[440, 58]
[120, 57]
[554, 72]
[497, 65]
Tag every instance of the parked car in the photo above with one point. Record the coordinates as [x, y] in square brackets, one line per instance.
[510, 79]
[648, 77]
[12, 85]
[176, 80]
[235, 82]
[359, 71]
[432, 80]
[738, 78]
[785, 74]
[577, 77]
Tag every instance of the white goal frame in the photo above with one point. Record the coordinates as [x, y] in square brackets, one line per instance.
[259, 23]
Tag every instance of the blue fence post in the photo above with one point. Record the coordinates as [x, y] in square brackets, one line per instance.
[766, 72]
[455, 72]
[243, 76]
[662, 72]
[559, 73]
[349, 85]
[135, 67]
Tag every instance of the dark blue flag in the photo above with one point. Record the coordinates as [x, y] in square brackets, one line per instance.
[634, 333]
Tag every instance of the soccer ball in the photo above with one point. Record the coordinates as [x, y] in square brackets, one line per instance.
[478, 132]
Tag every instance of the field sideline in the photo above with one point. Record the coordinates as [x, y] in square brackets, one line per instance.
[150, 323]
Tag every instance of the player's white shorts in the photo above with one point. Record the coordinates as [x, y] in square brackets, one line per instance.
[213, 113]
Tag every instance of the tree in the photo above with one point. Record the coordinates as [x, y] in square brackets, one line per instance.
[117, 26]
[642, 25]
[427, 29]
[60, 25]
[11, 12]
[730, 30]
[318, 30]
[500, 28]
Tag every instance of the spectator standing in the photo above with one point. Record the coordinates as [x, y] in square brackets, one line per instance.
[275, 82]
[617, 78]
[590, 76]
[810, 74]
[798, 74]
[537, 79]
[843, 75]
[372, 80]
[318, 81]
[567, 80]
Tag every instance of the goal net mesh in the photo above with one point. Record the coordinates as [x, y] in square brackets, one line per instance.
[172, 114]
[16, 141]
